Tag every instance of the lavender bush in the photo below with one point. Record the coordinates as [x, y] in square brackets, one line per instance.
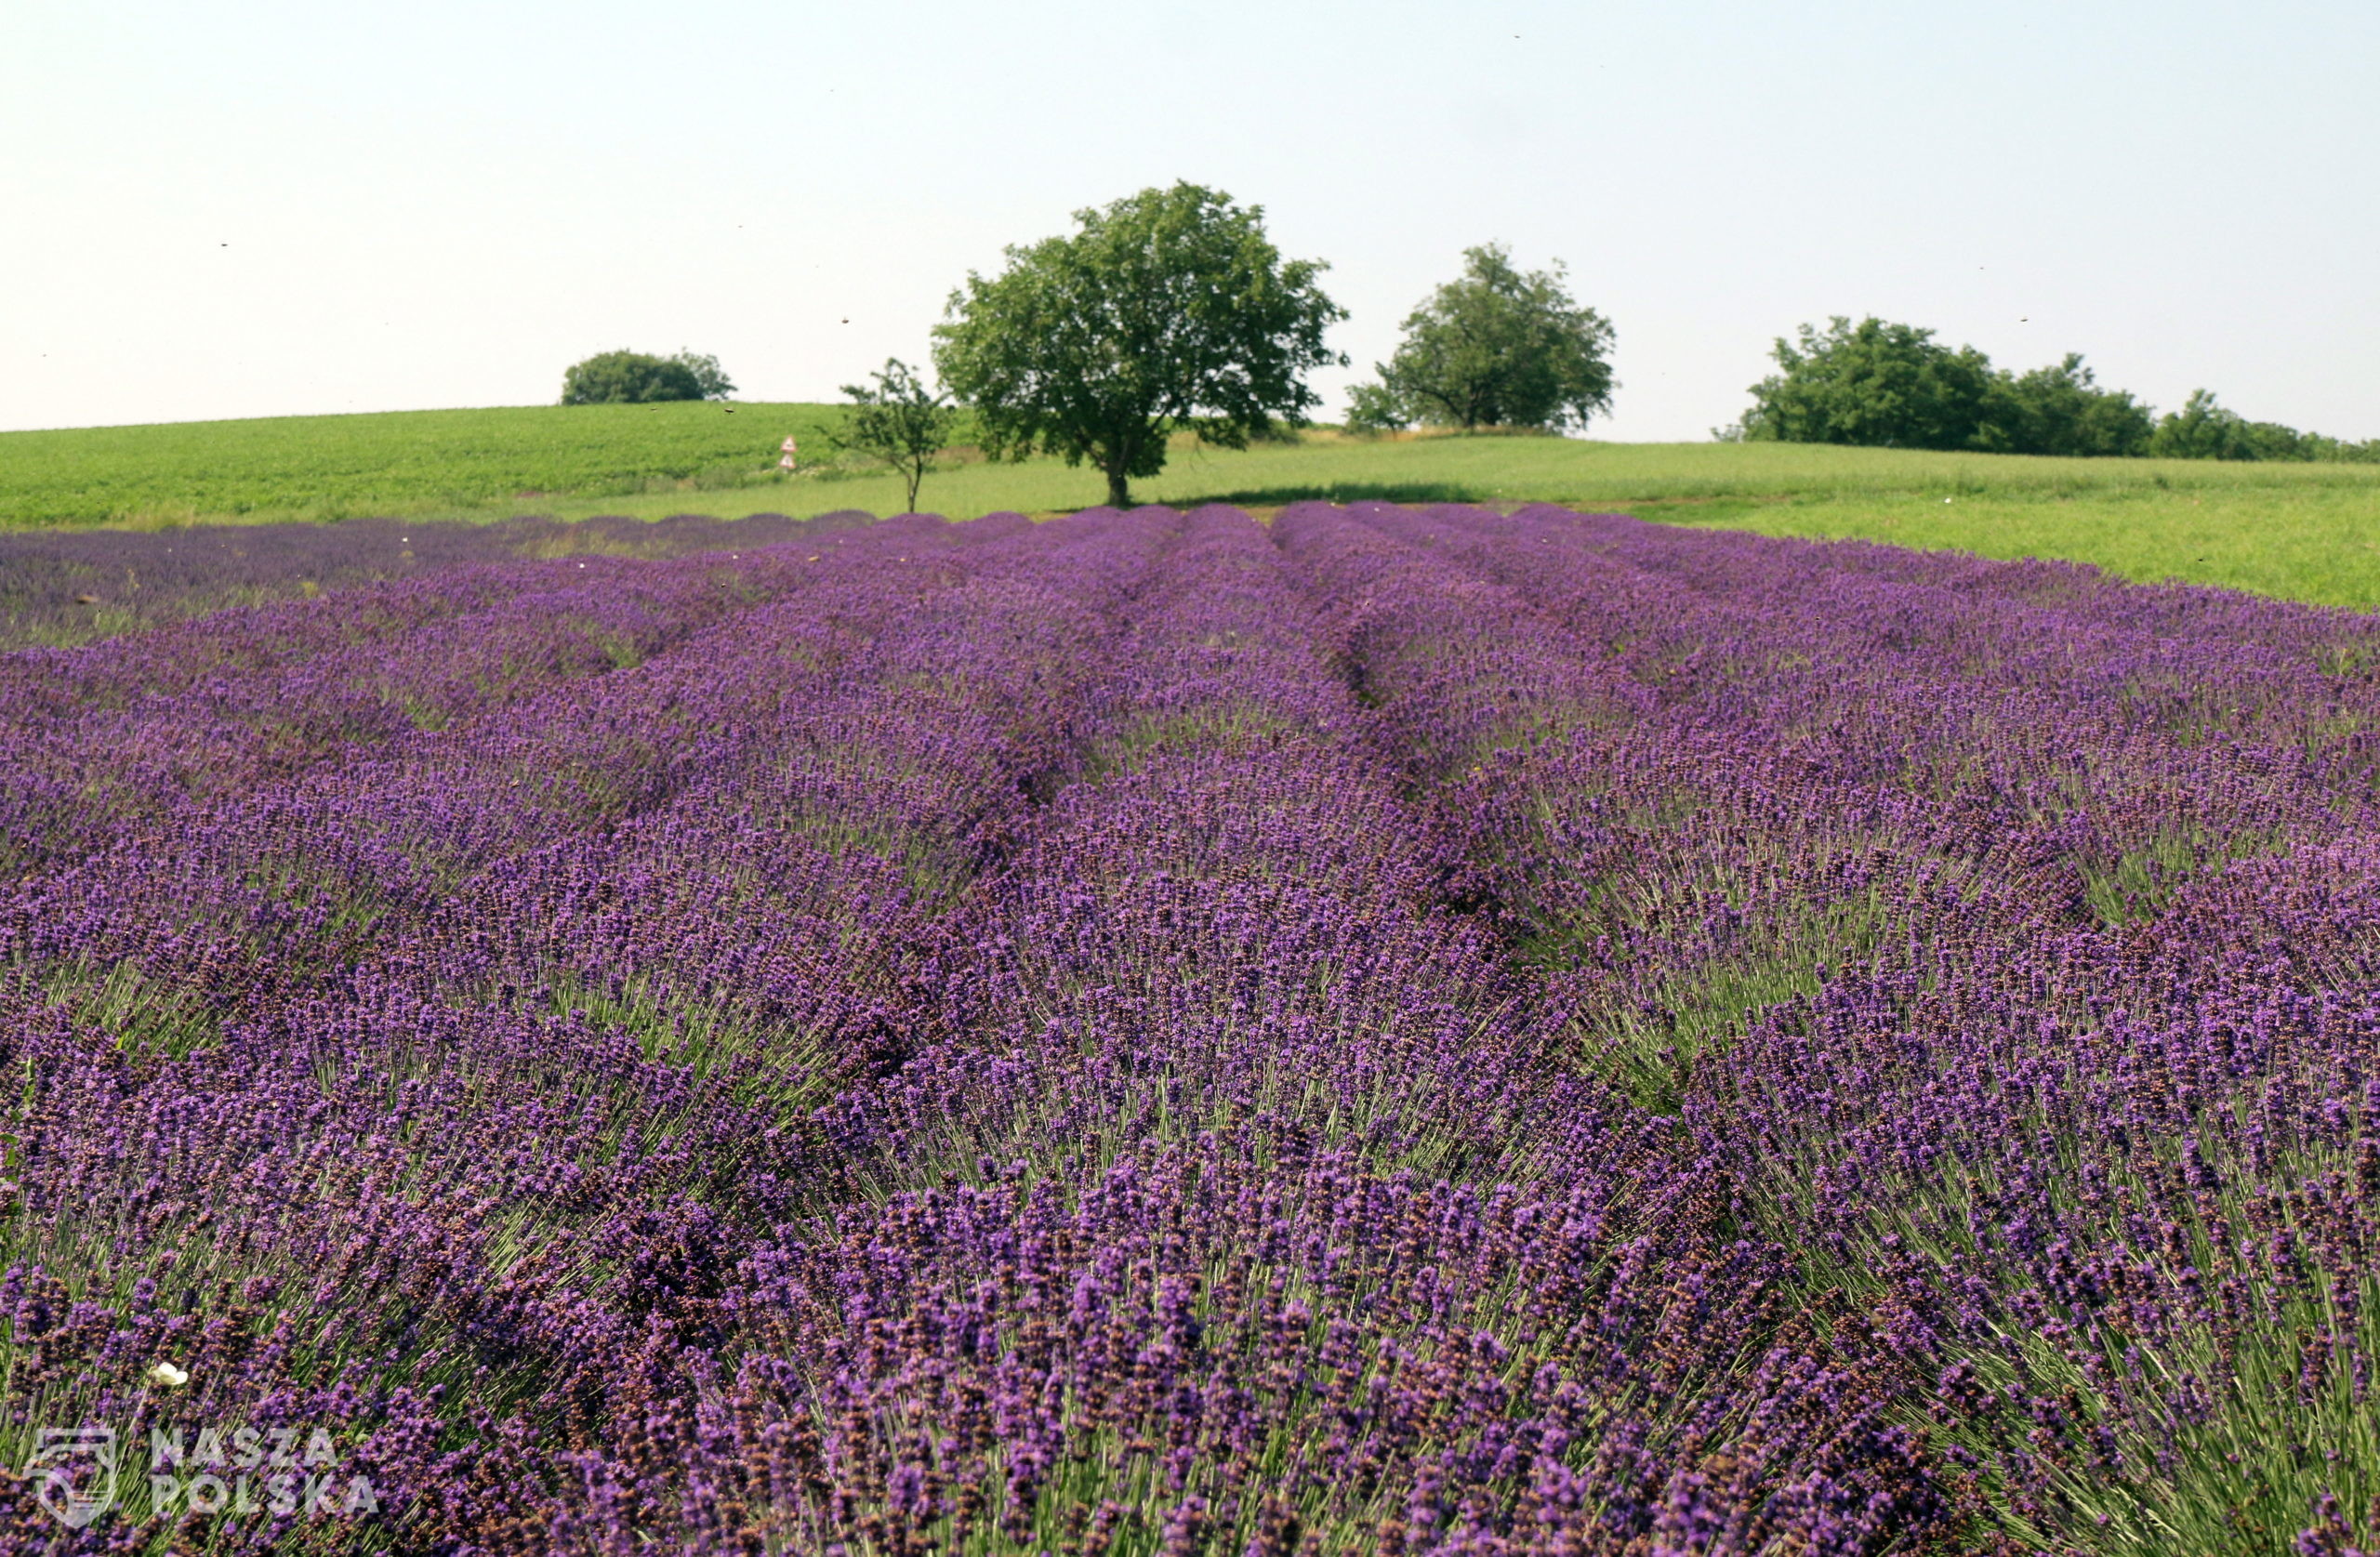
[1408, 1031]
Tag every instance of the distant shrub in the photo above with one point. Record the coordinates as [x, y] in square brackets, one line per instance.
[2314, 445]
[1496, 347]
[2062, 410]
[2204, 429]
[1375, 408]
[636, 377]
[1875, 384]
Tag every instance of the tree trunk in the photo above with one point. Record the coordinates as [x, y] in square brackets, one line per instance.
[1118, 495]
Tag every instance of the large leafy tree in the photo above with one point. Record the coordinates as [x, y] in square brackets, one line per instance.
[1496, 347]
[1168, 308]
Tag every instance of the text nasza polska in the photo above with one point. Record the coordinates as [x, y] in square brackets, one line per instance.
[293, 1481]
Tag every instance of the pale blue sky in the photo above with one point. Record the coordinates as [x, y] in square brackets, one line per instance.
[238, 208]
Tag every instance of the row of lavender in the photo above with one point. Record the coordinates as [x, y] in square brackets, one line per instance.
[59, 588]
[1418, 1032]
[2010, 937]
[403, 1085]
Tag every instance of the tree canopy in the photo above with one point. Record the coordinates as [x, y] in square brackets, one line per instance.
[636, 377]
[1169, 307]
[1496, 347]
[2062, 410]
[1890, 385]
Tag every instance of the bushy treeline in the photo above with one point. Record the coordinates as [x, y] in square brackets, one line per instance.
[2201, 429]
[1893, 386]
[639, 378]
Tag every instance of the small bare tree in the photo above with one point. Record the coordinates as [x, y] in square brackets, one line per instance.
[898, 420]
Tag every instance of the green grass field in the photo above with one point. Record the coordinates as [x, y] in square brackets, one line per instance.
[2308, 532]
[398, 463]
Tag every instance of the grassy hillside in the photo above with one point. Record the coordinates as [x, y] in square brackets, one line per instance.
[404, 462]
[2311, 532]
[2301, 541]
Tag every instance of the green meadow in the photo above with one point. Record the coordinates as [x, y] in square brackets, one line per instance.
[2306, 531]
[400, 463]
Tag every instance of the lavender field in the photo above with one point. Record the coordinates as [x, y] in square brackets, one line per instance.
[1402, 1030]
